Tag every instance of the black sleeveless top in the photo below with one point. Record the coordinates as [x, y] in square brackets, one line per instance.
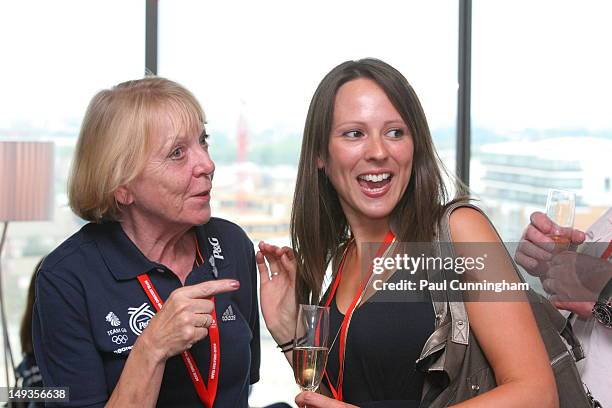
[385, 338]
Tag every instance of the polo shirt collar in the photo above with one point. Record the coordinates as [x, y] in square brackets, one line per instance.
[121, 255]
[125, 261]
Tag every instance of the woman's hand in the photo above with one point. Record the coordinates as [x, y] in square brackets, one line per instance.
[313, 400]
[184, 319]
[277, 269]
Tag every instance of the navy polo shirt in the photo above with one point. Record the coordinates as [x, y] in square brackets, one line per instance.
[90, 309]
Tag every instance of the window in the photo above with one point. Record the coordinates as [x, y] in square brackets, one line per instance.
[540, 116]
[56, 56]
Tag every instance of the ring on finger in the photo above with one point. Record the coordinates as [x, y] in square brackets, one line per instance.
[205, 323]
[275, 273]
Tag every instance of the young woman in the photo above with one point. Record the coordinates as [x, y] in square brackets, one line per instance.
[368, 172]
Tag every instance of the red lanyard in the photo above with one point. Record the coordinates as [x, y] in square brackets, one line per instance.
[207, 396]
[337, 391]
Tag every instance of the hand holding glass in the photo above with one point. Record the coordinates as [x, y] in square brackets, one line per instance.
[310, 346]
[560, 208]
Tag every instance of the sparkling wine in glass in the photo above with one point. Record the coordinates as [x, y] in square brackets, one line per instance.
[311, 346]
[560, 208]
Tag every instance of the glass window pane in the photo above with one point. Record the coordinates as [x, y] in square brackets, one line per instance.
[56, 55]
[540, 108]
[254, 67]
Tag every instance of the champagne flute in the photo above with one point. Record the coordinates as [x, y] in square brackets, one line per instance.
[560, 208]
[310, 346]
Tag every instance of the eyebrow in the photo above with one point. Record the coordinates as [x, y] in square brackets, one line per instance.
[182, 136]
[174, 140]
[171, 142]
[360, 123]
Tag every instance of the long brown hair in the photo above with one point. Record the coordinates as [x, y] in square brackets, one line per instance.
[319, 229]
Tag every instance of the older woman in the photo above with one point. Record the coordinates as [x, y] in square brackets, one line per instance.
[369, 173]
[142, 175]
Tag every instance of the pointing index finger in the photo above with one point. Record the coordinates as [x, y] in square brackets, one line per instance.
[210, 288]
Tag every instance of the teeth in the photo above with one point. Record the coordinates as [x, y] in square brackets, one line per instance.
[375, 177]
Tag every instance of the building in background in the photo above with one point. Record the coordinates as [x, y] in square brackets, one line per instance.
[512, 179]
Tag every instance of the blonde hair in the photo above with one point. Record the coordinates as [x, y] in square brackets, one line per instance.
[115, 140]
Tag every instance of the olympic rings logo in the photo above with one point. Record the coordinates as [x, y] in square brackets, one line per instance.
[120, 339]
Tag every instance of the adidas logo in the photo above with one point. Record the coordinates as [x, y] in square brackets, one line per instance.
[228, 314]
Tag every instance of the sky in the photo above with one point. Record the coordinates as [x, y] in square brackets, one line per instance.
[57, 54]
[542, 63]
[536, 64]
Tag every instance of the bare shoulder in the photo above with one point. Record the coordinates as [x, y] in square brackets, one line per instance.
[469, 225]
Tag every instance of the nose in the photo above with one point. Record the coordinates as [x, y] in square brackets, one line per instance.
[376, 148]
[204, 165]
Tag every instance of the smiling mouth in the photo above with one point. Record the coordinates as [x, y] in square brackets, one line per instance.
[374, 182]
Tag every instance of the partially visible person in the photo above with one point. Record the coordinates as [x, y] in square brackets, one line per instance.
[142, 175]
[369, 173]
[27, 372]
[578, 282]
